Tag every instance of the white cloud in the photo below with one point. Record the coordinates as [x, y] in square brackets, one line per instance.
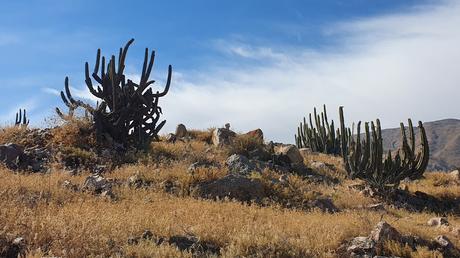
[391, 67]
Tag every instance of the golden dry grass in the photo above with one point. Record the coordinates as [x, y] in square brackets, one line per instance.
[58, 222]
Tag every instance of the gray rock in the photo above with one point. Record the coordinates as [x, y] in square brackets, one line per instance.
[384, 232]
[455, 175]
[234, 187]
[96, 184]
[291, 151]
[10, 155]
[361, 245]
[376, 207]
[443, 241]
[181, 131]
[222, 136]
[240, 164]
[437, 222]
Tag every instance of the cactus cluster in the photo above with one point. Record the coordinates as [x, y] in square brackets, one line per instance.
[128, 112]
[364, 158]
[320, 136]
[21, 118]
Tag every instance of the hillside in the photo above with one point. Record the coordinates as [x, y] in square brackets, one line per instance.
[197, 194]
[444, 139]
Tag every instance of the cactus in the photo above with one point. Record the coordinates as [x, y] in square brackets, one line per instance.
[21, 118]
[365, 158]
[320, 136]
[128, 112]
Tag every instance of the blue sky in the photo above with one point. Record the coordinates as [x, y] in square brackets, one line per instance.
[251, 63]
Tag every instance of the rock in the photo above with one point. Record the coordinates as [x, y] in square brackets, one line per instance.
[222, 136]
[258, 134]
[181, 131]
[10, 247]
[305, 151]
[233, 186]
[361, 246]
[443, 242]
[67, 184]
[137, 181]
[260, 154]
[283, 179]
[291, 151]
[324, 204]
[383, 232]
[438, 221]
[318, 165]
[171, 138]
[167, 186]
[239, 164]
[96, 184]
[455, 175]
[10, 155]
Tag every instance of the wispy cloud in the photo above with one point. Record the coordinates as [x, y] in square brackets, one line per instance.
[392, 67]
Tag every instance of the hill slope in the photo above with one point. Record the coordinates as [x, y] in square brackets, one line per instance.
[443, 137]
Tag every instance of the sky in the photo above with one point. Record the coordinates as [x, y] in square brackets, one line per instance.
[251, 63]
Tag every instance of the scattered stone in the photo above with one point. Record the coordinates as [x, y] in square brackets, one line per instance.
[438, 221]
[167, 186]
[291, 151]
[258, 134]
[384, 232]
[443, 241]
[97, 184]
[222, 136]
[455, 175]
[67, 184]
[239, 164]
[181, 131]
[283, 179]
[171, 138]
[234, 187]
[361, 246]
[318, 165]
[10, 247]
[137, 181]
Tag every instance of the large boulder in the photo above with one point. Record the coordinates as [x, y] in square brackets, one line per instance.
[291, 151]
[222, 136]
[181, 131]
[11, 154]
[234, 187]
[437, 222]
[455, 175]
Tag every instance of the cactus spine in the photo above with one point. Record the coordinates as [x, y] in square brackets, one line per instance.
[320, 136]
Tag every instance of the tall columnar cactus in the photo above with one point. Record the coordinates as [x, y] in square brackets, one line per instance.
[21, 118]
[128, 112]
[320, 136]
[364, 158]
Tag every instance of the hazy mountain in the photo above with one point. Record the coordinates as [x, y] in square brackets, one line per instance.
[444, 140]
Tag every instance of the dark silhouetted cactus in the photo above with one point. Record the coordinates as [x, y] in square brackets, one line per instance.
[364, 158]
[320, 136]
[128, 112]
[21, 118]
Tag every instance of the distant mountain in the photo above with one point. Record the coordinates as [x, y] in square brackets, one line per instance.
[444, 141]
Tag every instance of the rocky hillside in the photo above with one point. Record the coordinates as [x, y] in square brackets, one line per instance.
[444, 139]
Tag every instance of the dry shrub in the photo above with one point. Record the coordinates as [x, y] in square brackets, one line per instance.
[397, 249]
[16, 134]
[202, 136]
[243, 144]
[76, 132]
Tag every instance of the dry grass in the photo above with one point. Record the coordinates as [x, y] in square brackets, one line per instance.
[58, 222]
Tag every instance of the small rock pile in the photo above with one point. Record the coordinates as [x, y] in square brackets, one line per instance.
[372, 245]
